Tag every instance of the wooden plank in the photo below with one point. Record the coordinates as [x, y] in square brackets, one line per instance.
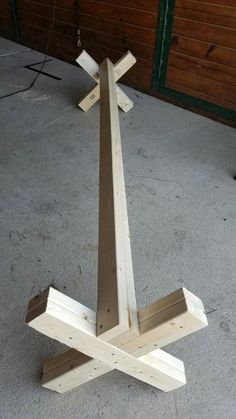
[63, 319]
[203, 68]
[60, 45]
[115, 42]
[205, 50]
[216, 89]
[45, 23]
[116, 308]
[151, 5]
[226, 3]
[131, 32]
[62, 15]
[89, 65]
[167, 320]
[89, 99]
[138, 80]
[206, 32]
[105, 49]
[115, 12]
[200, 95]
[75, 371]
[122, 65]
[177, 315]
[207, 13]
[132, 78]
[63, 4]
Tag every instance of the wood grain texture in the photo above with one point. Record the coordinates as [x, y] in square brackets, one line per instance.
[114, 12]
[62, 4]
[108, 29]
[61, 15]
[218, 91]
[120, 68]
[114, 42]
[201, 95]
[205, 50]
[202, 55]
[204, 29]
[150, 5]
[40, 22]
[225, 3]
[61, 318]
[116, 307]
[206, 32]
[101, 52]
[206, 12]
[165, 321]
[203, 68]
[132, 77]
[60, 45]
[131, 32]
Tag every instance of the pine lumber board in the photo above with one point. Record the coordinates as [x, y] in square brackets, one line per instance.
[61, 318]
[116, 304]
[165, 321]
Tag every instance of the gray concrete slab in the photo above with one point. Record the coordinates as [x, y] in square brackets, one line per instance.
[181, 199]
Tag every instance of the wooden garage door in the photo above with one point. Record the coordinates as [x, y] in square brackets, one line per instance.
[196, 58]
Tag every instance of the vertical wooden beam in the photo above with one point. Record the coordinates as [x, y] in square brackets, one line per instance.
[116, 309]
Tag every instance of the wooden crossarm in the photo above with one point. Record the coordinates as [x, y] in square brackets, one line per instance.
[89, 65]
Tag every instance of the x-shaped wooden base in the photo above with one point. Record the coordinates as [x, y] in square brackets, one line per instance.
[92, 68]
[63, 319]
[117, 336]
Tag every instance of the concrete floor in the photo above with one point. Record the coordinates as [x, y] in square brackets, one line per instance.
[182, 207]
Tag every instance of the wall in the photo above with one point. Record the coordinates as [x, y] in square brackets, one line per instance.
[6, 21]
[36, 20]
[201, 61]
[108, 28]
[202, 58]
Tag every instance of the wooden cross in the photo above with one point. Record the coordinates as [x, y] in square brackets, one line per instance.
[117, 336]
[92, 68]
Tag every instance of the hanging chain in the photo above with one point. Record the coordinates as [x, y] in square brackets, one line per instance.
[78, 29]
[78, 38]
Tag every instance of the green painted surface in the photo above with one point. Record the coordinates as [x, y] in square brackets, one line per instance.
[15, 20]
